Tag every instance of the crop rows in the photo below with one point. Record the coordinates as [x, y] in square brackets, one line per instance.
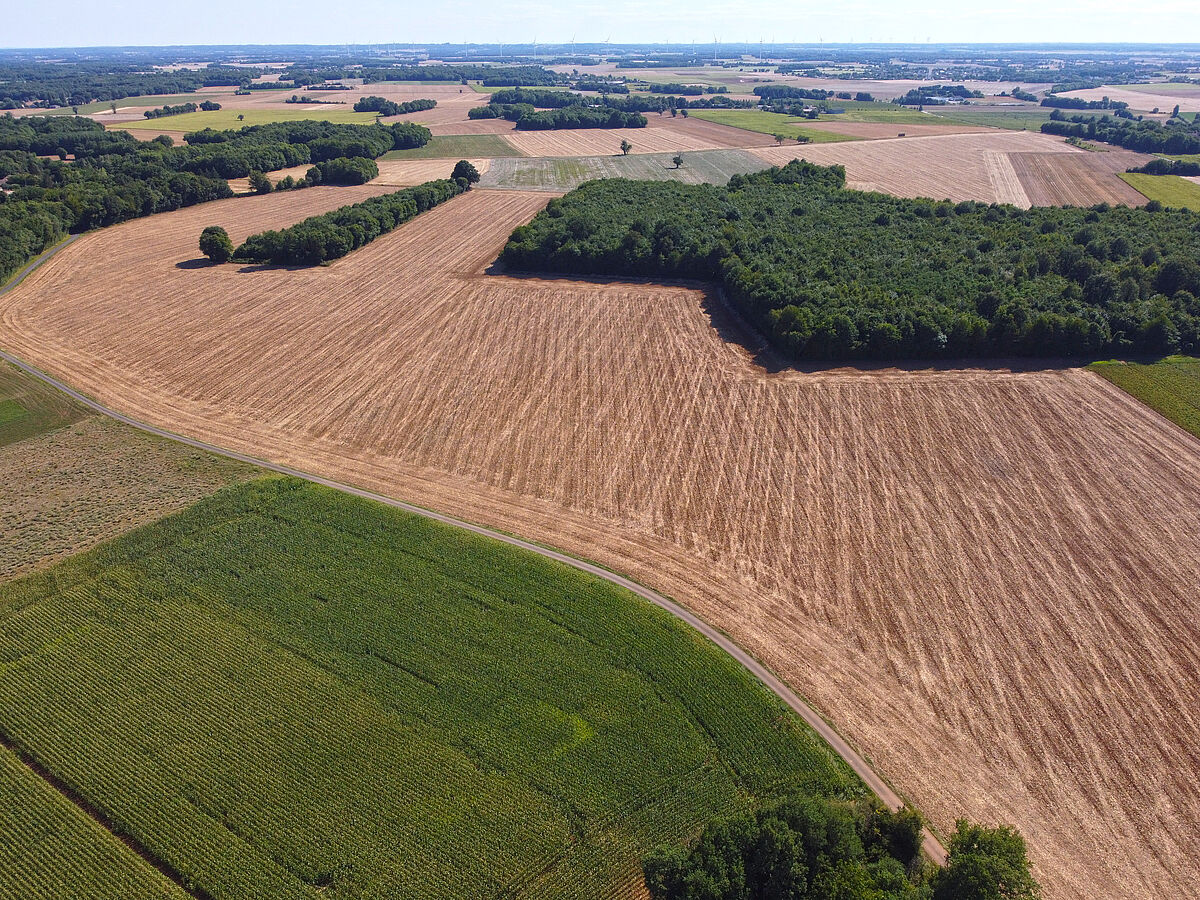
[284, 689]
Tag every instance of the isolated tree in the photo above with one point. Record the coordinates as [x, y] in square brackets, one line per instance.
[113, 107]
[464, 169]
[684, 112]
[75, 109]
[779, 139]
[260, 183]
[625, 148]
[677, 159]
[215, 244]
[241, 117]
[1175, 112]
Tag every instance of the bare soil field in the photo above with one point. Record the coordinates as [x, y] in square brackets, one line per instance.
[970, 167]
[1141, 100]
[1077, 179]
[882, 130]
[985, 577]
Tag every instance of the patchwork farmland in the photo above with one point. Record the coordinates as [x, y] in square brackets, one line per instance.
[884, 539]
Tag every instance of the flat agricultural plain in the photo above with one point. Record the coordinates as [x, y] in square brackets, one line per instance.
[985, 166]
[986, 577]
[662, 134]
[562, 173]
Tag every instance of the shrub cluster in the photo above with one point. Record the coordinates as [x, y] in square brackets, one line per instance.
[326, 237]
[343, 170]
[809, 848]
[829, 273]
[170, 110]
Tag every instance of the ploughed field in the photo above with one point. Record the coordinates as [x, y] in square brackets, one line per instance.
[985, 577]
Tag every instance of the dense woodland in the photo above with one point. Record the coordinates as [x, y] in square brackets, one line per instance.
[24, 84]
[809, 848]
[327, 237]
[115, 176]
[1145, 135]
[829, 273]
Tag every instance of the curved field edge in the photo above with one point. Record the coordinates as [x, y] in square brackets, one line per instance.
[233, 685]
[1170, 386]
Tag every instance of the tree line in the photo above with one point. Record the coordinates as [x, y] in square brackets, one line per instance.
[116, 177]
[829, 273]
[207, 106]
[1144, 135]
[326, 237]
[1080, 103]
[1160, 166]
[387, 107]
[811, 848]
[44, 84]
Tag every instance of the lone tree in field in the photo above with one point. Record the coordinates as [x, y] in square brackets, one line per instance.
[464, 169]
[215, 244]
[260, 183]
[625, 148]
[113, 106]
[779, 139]
[677, 159]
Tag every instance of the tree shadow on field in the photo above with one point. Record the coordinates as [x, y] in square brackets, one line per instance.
[734, 329]
[198, 263]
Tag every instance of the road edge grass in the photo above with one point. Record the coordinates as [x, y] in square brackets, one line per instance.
[825, 729]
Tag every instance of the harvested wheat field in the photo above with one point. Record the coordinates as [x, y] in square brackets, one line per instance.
[986, 578]
[1144, 98]
[661, 135]
[407, 172]
[965, 167]
[873, 131]
[1077, 179]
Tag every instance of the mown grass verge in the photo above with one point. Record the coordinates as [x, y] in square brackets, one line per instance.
[1169, 190]
[286, 691]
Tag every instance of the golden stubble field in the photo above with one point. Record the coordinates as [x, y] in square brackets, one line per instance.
[1021, 168]
[986, 578]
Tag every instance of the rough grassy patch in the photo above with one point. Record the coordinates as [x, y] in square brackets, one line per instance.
[768, 123]
[28, 407]
[1169, 190]
[223, 119]
[566, 173]
[873, 112]
[459, 146]
[286, 689]
[51, 848]
[1027, 119]
[1170, 386]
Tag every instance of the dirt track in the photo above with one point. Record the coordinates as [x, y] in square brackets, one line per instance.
[986, 578]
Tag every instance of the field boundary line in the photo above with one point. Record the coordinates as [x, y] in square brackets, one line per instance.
[772, 682]
[85, 806]
[857, 763]
[45, 255]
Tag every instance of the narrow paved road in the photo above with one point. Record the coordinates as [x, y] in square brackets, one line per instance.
[930, 844]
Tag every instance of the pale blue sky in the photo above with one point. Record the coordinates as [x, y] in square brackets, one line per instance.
[36, 23]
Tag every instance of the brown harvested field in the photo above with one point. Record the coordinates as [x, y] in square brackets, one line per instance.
[1144, 98]
[880, 130]
[661, 135]
[406, 172]
[986, 166]
[986, 578]
[1077, 179]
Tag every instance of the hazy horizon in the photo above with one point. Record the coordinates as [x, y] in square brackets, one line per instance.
[74, 23]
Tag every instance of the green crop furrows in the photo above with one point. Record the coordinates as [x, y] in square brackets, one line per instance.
[286, 690]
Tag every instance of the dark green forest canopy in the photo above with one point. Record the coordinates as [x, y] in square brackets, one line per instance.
[831, 273]
[115, 177]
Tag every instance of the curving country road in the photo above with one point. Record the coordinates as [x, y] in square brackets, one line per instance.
[932, 847]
